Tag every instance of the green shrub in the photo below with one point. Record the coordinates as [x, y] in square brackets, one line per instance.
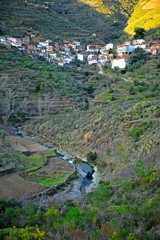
[136, 82]
[91, 157]
[115, 236]
[135, 133]
[139, 170]
[131, 90]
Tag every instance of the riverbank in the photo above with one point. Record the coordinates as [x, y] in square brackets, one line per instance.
[47, 171]
[49, 188]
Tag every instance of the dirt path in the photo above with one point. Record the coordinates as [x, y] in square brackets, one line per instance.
[108, 75]
[101, 71]
[24, 145]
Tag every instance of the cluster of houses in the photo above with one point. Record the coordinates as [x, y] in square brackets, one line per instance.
[125, 50]
[68, 52]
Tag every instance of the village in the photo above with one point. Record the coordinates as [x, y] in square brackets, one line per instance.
[68, 52]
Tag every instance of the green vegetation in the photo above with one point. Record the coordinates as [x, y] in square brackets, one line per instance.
[37, 17]
[91, 157]
[119, 132]
[127, 209]
[46, 177]
[73, 20]
[14, 159]
[139, 33]
[42, 88]
[27, 234]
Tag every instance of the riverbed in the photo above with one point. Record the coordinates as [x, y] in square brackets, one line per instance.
[86, 179]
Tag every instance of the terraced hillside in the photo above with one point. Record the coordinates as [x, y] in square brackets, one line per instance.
[122, 119]
[35, 17]
[73, 20]
[146, 15]
[43, 88]
[105, 18]
[120, 133]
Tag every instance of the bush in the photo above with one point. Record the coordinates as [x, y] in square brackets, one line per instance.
[135, 133]
[91, 157]
[136, 82]
[90, 89]
[140, 89]
[123, 71]
[113, 98]
[139, 55]
[154, 87]
[131, 90]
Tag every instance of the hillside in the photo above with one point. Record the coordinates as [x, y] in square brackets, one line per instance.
[43, 88]
[119, 133]
[74, 20]
[19, 18]
[105, 18]
[78, 19]
[76, 114]
[146, 15]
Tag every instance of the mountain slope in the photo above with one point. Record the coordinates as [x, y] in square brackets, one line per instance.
[19, 18]
[146, 15]
[105, 18]
[74, 19]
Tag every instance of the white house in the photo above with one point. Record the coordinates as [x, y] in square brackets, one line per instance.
[80, 56]
[2, 38]
[140, 45]
[148, 50]
[109, 46]
[135, 41]
[120, 63]
[52, 54]
[60, 63]
[43, 44]
[92, 61]
[94, 48]
[124, 49]
[48, 41]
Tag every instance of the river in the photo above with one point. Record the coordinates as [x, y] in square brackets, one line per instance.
[87, 178]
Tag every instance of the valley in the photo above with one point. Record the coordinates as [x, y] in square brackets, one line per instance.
[79, 120]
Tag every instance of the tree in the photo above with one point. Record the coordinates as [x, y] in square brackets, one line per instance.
[139, 33]
[139, 54]
[91, 157]
[10, 106]
[90, 89]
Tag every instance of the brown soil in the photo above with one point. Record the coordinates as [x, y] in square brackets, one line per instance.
[59, 165]
[13, 186]
[24, 145]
